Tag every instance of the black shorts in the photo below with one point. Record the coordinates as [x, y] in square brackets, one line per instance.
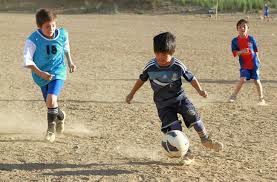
[168, 115]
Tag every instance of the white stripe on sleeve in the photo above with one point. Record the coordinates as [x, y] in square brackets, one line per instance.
[150, 63]
[29, 50]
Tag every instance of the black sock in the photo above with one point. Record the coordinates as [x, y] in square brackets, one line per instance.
[52, 116]
[60, 115]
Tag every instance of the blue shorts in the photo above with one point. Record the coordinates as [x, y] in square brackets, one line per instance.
[54, 87]
[168, 115]
[250, 74]
[266, 14]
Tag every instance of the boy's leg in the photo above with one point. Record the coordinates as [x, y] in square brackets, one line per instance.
[169, 119]
[50, 93]
[51, 117]
[60, 122]
[44, 90]
[206, 140]
[244, 75]
[233, 97]
[192, 118]
[256, 76]
[52, 102]
[259, 88]
[52, 105]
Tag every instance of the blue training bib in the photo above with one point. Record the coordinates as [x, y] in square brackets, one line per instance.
[49, 55]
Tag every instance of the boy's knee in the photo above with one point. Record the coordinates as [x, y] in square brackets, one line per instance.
[51, 101]
[257, 82]
[242, 80]
[191, 117]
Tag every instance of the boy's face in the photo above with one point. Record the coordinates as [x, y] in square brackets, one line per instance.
[243, 29]
[163, 59]
[48, 28]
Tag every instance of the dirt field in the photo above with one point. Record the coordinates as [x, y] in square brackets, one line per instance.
[108, 140]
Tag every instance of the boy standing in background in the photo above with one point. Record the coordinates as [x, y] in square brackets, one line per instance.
[245, 47]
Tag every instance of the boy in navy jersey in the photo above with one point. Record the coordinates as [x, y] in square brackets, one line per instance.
[44, 53]
[165, 72]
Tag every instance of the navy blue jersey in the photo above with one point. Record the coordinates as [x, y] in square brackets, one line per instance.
[166, 81]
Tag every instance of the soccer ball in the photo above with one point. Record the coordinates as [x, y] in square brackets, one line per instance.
[175, 144]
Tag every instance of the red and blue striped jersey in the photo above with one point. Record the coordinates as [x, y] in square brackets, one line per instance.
[247, 60]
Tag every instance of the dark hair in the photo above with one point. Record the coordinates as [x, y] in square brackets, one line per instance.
[241, 21]
[165, 43]
[44, 15]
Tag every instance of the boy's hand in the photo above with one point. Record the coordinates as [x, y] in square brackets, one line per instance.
[129, 97]
[46, 76]
[245, 51]
[72, 68]
[203, 93]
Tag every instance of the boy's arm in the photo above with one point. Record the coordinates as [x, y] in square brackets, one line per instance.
[243, 51]
[42, 74]
[257, 54]
[71, 65]
[236, 50]
[198, 88]
[193, 81]
[136, 87]
[29, 50]
[255, 47]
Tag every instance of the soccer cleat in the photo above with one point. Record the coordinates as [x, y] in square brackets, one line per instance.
[212, 144]
[50, 134]
[188, 158]
[60, 124]
[232, 98]
[261, 101]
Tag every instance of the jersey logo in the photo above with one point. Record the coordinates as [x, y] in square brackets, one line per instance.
[175, 77]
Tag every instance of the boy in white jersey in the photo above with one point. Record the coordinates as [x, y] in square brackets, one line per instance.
[44, 53]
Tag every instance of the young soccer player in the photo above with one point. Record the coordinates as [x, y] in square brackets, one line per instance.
[245, 47]
[44, 53]
[266, 12]
[165, 72]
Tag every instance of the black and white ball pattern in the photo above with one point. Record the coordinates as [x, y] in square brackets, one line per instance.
[175, 144]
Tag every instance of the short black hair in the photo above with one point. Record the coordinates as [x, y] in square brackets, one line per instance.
[241, 21]
[44, 15]
[165, 43]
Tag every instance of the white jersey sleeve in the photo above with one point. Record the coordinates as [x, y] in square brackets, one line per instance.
[67, 46]
[29, 50]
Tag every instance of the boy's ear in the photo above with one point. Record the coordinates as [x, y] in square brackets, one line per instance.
[173, 51]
